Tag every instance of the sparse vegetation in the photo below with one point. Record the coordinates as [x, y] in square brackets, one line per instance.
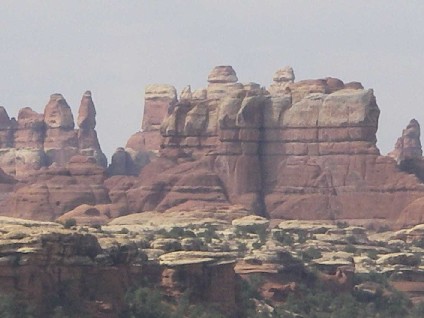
[283, 237]
[383, 228]
[69, 223]
[12, 307]
[350, 248]
[342, 225]
[373, 254]
[309, 254]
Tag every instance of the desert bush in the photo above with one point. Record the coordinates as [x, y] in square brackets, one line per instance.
[12, 307]
[342, 225]
[124, 230]
[69, 223]
[373, 254]
[209, 233]
[309, 254]
[145, 303]
[383, 228]
[283, 237]
[350, 248]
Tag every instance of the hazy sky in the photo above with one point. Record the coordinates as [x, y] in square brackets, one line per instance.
[116, 48]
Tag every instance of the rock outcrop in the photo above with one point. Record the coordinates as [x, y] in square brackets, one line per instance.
[160, 100]
[39, 140]
[56, 190]
[41, 261]
[302, 149]
[56, 167]
[297, 150]
[408, 146]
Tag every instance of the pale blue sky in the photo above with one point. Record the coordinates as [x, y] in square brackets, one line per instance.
[116, 48]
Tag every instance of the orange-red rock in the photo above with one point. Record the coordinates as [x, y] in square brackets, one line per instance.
[299, 150]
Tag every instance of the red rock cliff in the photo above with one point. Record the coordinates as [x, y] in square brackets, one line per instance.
[302, 149]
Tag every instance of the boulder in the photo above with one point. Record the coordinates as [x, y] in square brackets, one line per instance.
[88, 214]
[58, 114]
[252, 223]
[222, 74]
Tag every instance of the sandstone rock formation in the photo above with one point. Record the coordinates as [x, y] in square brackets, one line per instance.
[302, 149]
[194, 269]
[408, 156]
[160, 100]
[408, 146]
[39, 140]
[42, 261]
[58, 167]
[55, 190]
[297, 150]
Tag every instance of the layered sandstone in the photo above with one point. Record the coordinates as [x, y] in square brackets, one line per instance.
[297, 150]
[58, 167]
[38, 140]
[303, 149]
[408, 146]
[56, 190]
[160, 100]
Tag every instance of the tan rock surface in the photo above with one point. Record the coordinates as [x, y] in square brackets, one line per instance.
[222, 74]
[58, 114]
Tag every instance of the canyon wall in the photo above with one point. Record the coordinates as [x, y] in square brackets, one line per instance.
[295, 150]
[302, 150]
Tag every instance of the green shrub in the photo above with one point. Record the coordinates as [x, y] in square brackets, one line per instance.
[257, 245]
[242, 247]
[12, 307]
[283, 237]
[69, 223]
[373, 254]
[417, 311]
[309, 254]
[97, 227]
[302, 236]
[350, 248]
[209, 233]
[145, 303]
[124, 230]
[342, 225]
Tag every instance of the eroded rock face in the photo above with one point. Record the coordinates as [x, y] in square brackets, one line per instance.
[302, 149]
[58, 167]
[87, 112]
[39, 140]
[192, 270]
[299, 150]
[160, 100]
[42, 260]
[56, 190]
[408, 147]
[222, 74]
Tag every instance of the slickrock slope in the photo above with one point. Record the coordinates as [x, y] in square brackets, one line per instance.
[302, 150]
